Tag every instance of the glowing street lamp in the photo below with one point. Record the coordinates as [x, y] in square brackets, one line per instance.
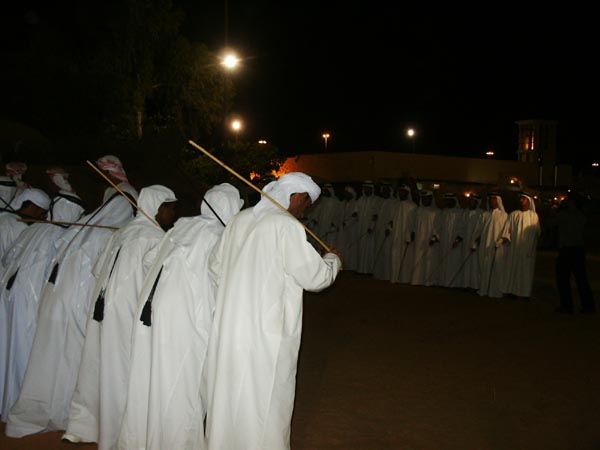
[411, 133]
[236, 125]
[230, 61]
[595, 164]
[489, 153]
[262, 142]
[325, 137]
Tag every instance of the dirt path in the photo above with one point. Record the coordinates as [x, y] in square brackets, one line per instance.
[387, 366]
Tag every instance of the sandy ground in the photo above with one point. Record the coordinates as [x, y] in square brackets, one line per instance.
[387, 366]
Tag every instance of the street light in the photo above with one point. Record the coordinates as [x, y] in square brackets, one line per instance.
[325, 137]
[411, 133]
[230, 61]
[490, 153]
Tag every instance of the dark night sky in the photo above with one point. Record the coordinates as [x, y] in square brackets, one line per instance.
[365, 71]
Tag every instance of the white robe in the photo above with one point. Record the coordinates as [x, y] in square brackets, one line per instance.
[492, 256]
[104, 371]
[27, 261]
[382, 263]
[449, 267]
[426, 257]
[261, 266]
[10, 229]
[348, 235]
[368, 208]
[522, 229]
[403, 250]
[164, 407]
[51, 373]
[473, 226]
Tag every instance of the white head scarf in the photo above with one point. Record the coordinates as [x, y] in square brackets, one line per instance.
[66, 208]
[114, 166]
[406, 188]
[329, 187]
[351, 191]
[35, 196]
[221, 202]
[453, 197]
[60, 178]
[151, 198]
[500, 203]
[426, 193]
[283, 188]
[531, 202]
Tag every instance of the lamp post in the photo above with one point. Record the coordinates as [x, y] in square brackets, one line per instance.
[325, 137]
[236, 127]
[411, 133]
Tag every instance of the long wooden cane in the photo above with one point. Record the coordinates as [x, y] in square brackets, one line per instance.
[123, 194]
[275, 202]
[55, 222]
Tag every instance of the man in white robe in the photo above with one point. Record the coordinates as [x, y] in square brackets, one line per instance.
[99, 399]
[165, 408]
[27, 268]
[473, 226]
[402, 240]
[261, 265]
[382, 266]
[348, 236]
[426, 242]
[51, 373]
[326, 214]
[520, 235]
[492, 256]
[448, 269]
[368, 206]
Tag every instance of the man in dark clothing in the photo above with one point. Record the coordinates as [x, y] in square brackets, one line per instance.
[571, 222]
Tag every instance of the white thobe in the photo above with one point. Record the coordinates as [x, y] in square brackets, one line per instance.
[261, 267]
[51, 373]
[449, 268]
[382, 267]
[104, 370]
[165, 407]
[426, 257]
[492, 256]
[10, 229]
[28, 262]
[348, 236]
[368, 208]
[522, 229]
[402, 247]
[473, 226]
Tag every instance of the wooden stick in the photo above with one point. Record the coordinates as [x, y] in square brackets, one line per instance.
[55, 222]
[123, 194]
[275, 202]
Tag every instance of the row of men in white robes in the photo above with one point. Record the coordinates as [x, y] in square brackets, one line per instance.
[123, 322]
[488, 251]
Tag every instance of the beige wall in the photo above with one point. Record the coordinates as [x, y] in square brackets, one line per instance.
[358, 166]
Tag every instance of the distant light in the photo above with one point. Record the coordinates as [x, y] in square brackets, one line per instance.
[555, 198]
[595, 164]
[230, 61]
[236, 125]
[436, 186]
[467, 194]
[410, 132]
[535, 197]
[512, 181]
[489, 153]
[326, 135]
[262, 141]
